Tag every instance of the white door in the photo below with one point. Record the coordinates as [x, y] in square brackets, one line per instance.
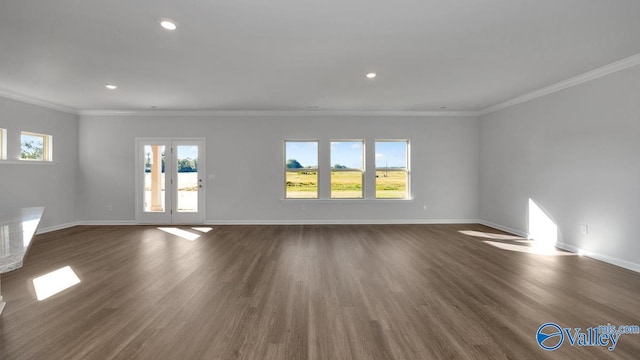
[169, 181]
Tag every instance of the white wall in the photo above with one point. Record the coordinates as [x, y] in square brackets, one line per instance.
[246, 155]
[576, 153]
[53, 186]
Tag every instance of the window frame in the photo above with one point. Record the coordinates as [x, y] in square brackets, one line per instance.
[3, 144]
[47, 146]
[288, 170]
[361, 170]
[406, 170]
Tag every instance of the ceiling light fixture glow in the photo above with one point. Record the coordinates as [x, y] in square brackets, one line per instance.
[111, 86]
[371, 75]
[168, 24]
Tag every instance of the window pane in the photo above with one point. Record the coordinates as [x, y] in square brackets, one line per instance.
[302, 184]
[391, 154]
[35, 146]
[347, 159]
[346, 184]
[187, 165]
[154, 178]
[392, 175]
[31, 147]
[301, 169]
[391, 184]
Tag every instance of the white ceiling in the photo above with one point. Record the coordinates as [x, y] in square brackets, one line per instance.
[291, 54]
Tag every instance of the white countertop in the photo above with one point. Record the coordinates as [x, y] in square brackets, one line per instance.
[17, 229]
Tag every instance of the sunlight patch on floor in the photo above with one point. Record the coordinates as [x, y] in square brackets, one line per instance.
[492, 235]
[538, 250]
[54, 282]
[180, 233]
[202, 229]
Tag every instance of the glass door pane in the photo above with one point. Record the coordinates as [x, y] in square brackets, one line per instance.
[154, 178]
[188, 181]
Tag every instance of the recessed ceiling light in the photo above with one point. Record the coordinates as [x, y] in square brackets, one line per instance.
[111, 86]
[168, 24]
[371, 75]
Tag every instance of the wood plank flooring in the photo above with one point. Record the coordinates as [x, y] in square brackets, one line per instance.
[309, 292]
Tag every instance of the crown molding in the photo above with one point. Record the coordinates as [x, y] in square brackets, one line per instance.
[273, 113]
[588, 76]
[37, 102]
[577, 80]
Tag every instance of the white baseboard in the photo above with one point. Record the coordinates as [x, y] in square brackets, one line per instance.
[504, 228]
[341, 222]
[56, 227]
[275, 222]
[107, 223]
[76, 223]
[604, 258]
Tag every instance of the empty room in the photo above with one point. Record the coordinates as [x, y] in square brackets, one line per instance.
[296, 179]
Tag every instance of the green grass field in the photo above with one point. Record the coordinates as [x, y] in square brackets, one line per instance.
[302, 185]
[346, 184]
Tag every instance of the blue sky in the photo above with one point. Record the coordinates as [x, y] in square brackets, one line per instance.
[348, 153]
[305, 152]
[37, 140]
[184, 151]
[187, 152]
[391, 154]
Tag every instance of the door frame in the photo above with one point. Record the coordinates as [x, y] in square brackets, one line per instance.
[167, 218]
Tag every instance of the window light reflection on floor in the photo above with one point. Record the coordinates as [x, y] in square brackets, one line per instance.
[528, 249]
[491, 235]
[202, 229]
[180, 233]
[54, 282]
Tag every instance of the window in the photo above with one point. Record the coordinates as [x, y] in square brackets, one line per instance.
[344, 169]
[392, 169]
[347, 169]
[35, 147]
[301, 169]
[3, 144]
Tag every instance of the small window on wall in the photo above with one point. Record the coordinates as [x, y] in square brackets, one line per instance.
[3, 144]
[392, 169]
[35, 147]
[301, 169]
[347, 169]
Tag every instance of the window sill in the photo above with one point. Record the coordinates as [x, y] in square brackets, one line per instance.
[344, 201]
[26, 162]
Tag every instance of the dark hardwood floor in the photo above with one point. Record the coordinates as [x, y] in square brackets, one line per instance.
[309, 292]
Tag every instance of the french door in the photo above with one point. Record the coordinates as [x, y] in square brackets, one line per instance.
[169, 181]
